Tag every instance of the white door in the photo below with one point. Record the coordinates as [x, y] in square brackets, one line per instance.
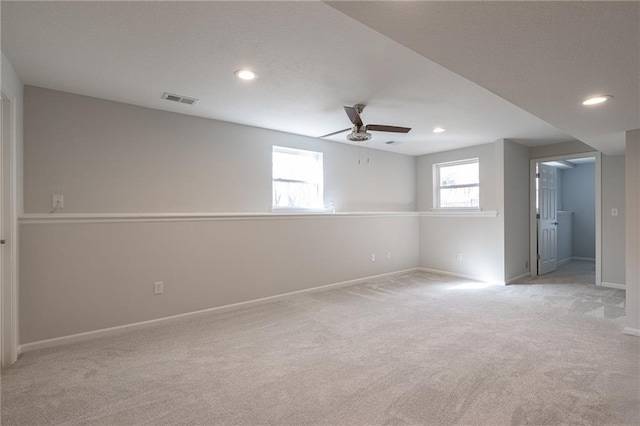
[547, 220]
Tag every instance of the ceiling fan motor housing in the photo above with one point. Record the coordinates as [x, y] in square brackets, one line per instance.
[359, 136]
[359, 130]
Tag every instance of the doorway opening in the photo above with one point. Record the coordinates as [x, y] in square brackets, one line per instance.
[565, 221]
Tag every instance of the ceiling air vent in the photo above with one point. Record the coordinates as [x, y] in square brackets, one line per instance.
[179, 98]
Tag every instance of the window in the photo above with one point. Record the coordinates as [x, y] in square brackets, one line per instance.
[457, 185]
[297, 179]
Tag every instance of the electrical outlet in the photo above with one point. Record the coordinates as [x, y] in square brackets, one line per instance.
[57, 201]
[388, 255]
[158, 287]
[373, 257]
[458, 256]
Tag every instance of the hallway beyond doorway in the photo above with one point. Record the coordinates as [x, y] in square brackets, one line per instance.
[574, 272]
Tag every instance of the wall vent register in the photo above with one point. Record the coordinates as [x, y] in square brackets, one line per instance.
[179, 98]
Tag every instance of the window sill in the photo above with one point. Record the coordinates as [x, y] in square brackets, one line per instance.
[48, 218]
[460, 213]
[299, 210]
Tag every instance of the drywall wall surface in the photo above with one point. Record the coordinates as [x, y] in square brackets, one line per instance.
[516, 209]
[632, 193]
[579, 196]
[500, 236]
[559, 189]
[613, 227]
[481, 257]
[558, 149]
[486, 155]
[13, 87]
[565, 235]
[479, 240]
[109, 157]
[106, 157]
[79, 277]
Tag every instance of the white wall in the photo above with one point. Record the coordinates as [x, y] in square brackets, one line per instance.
[558, 149]
[13, 87]
[79, 277]
[565, 235]
[613, 227]
[516, 209]
[579, 197]
[559, 189]
[632, 193]
[105, 156]
[108, 157]
[486, 154]
[479, 239]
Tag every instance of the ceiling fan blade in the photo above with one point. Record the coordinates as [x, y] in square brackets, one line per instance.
[383, 128]
[334, 133]
[353, 115]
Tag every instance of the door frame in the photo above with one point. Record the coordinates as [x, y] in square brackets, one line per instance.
[9, 341]
[533, 237]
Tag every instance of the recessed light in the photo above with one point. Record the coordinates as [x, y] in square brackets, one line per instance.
[439, 130]
[246, 75]
[595, 100]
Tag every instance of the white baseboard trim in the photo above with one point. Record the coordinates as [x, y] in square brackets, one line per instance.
[564, 261]
[632, 331]
[518, 278]
[583, 259]
[613, 285]
[104, 332]
[455, 274]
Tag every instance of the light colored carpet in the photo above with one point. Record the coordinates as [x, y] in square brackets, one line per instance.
[416, 349]
[574, 272]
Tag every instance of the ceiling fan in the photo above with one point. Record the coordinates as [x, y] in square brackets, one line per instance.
[359, 131]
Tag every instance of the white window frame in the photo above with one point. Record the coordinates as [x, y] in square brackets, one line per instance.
[437, 186]
[318, 156]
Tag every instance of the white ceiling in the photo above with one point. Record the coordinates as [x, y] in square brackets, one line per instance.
[545, 57]
[313, 59]
[570, 163]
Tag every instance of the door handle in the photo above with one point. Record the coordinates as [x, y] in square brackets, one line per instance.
[555, 223]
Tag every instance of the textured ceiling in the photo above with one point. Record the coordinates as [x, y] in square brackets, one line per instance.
[313, 58]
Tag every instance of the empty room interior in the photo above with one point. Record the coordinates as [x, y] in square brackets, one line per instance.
[311, 212]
